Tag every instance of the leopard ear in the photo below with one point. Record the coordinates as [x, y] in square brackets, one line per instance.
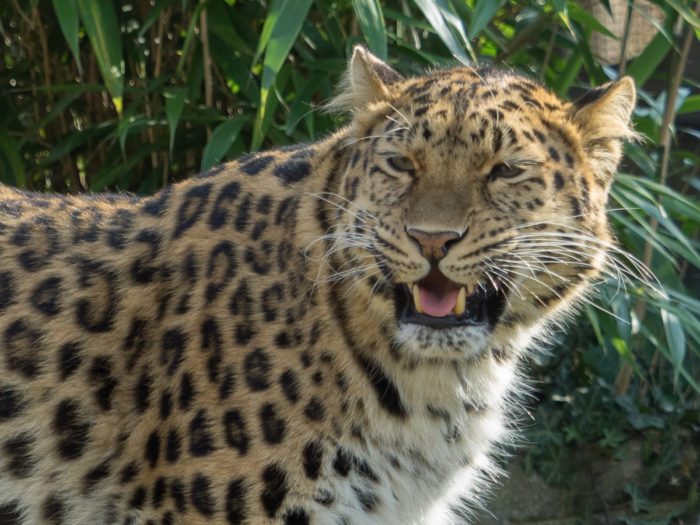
[603, 118]
[366, 81]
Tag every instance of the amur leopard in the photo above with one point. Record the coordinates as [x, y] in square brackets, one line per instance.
[329, 333]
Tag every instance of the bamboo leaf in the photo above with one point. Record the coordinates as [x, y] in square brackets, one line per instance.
[100, 22]
[288, 19]
[567, 77]
[58, 107]
[288, 23]
[67, 14]
[112, 172]
[11, 164]
[188, 37]
[270, 21]
[583, 17]
[675, 337]
[221, 25]
[432, 12]
[76, 139]
[690, 104]
[221, 140]
[646, 63]
[483, 13]
[302, 101]
[371, 19]
[152, 16]
[416, 23]
[685, 13]
[174, 104]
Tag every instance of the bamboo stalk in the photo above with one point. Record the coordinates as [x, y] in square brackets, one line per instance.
[625, 39]
[208, 79]
[550, 49]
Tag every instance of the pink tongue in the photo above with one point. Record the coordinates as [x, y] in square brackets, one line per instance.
[438, 304]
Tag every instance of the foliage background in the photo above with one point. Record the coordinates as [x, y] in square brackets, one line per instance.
[133, 95]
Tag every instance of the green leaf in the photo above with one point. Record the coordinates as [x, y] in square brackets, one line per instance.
[112, 172]
[188, 37]
[675, 337]
[221, 140]
[152, 15]
[685, 13]
[100, 22]
[268, 26]
[483, 13]
[59, 107]
[567, 77]
[221, 25]
[652, 209]
[583, 17]
[416, 23]
[287, 25]
[648, 61]
[371, 20]
[174, 104]
[302, 101]
[592, 315]
[431, 10]
[67, 14]
[288, 17]
[11, 165]
[559, 5]
[75, 139]
[690, 104]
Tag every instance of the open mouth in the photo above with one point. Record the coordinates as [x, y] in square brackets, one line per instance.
[438, 302]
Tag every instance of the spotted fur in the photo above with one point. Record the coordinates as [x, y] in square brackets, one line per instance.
[230, 350]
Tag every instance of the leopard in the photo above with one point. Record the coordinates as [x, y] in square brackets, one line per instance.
[328, 333]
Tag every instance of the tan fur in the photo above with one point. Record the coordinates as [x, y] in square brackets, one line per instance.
[228, 350]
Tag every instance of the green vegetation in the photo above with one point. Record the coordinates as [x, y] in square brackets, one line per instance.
[131, 96]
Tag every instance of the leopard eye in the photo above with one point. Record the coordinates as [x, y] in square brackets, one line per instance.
[401, 163]
[505, 171]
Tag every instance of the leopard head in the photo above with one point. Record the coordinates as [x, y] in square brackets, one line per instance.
[476, 196]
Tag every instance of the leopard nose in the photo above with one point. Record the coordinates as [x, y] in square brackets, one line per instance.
[433, 244]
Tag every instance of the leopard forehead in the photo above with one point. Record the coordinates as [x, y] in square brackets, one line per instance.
[472, 117]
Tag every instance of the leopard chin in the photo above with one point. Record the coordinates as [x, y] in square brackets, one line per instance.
[421, 341]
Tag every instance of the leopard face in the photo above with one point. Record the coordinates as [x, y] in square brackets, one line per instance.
[478, 198]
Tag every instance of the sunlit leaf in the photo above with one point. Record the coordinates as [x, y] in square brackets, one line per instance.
[436, 18]
[102, 28]
[67, 15]
[371, 20]
[288, 19]
[174, 104]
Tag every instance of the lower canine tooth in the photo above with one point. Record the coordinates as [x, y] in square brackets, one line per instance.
[416, 298]
[461, 299]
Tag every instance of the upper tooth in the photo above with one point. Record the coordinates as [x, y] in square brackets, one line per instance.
[461, 299]
[416, 298]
